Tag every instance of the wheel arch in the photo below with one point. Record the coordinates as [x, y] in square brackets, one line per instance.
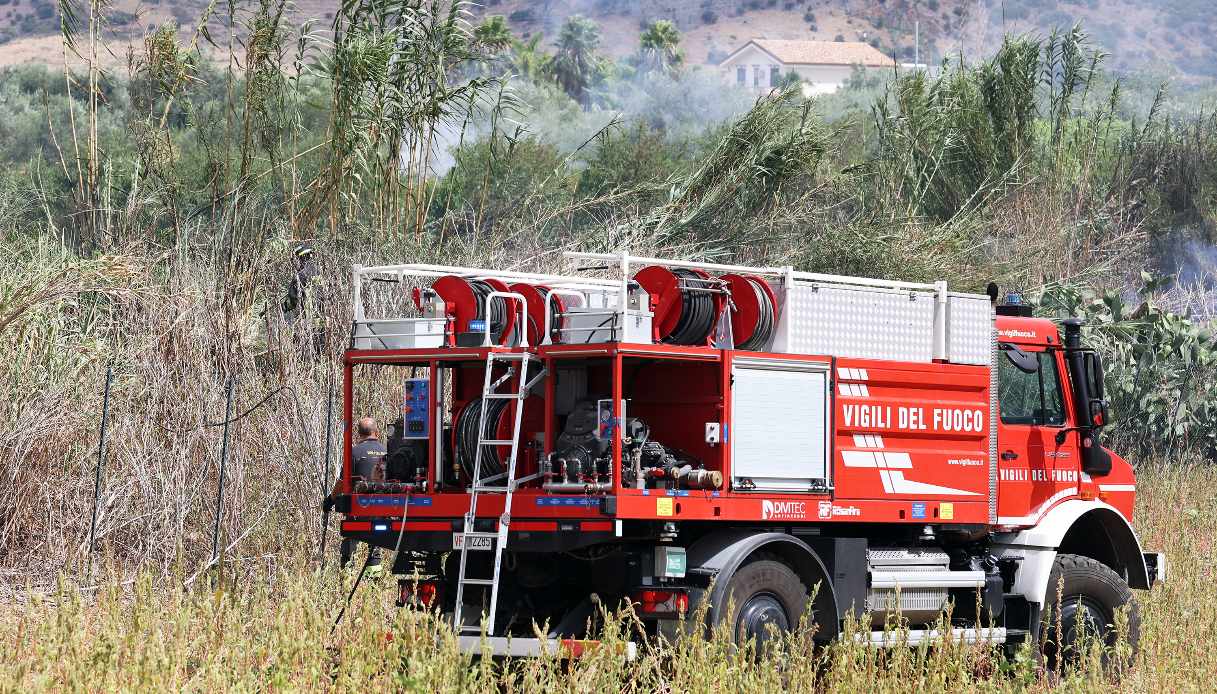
[1089, 528]
[721, 554]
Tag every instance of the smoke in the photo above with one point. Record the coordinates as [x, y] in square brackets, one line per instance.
[681, 107]
[1188, 269]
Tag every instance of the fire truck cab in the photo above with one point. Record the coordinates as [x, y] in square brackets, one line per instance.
[782, 449]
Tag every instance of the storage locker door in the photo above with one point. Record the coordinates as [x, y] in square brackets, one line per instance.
[779, 425]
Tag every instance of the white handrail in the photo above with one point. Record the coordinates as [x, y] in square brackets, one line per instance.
[549, 314]
[626, 260]
[425, 270]
[523, 327]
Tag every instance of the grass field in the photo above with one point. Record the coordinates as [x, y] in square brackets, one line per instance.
[270, 631]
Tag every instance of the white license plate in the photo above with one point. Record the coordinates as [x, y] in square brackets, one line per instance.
[476, 544]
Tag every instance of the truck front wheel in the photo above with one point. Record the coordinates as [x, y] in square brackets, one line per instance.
[766, 597]
[1083, 598]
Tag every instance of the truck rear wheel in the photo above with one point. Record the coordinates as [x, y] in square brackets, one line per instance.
[1082, 600]
[764, 595]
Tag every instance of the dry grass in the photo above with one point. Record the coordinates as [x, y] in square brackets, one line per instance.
[269, 630]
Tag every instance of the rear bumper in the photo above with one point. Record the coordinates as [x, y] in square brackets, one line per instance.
[1155, 567]
[531, 648]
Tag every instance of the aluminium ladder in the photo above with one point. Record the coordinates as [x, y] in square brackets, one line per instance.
[479, 485]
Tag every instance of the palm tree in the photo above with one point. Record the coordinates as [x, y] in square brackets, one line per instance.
[528, 60]
[493, 34]
[659, 48]
[576, 66]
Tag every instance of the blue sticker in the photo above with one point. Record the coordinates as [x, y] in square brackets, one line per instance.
[477, 326]
[567, 501]
[919, 510]
[678, 492]
[364, 501]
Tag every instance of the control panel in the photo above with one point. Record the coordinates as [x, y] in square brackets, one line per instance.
[415, 409]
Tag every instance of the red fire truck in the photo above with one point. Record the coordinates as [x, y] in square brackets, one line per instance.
[758, 440]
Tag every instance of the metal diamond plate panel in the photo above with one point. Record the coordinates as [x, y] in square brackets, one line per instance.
[864, 323]
[969, 329]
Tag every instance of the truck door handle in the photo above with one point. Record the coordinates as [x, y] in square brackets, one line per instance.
[1009, 455]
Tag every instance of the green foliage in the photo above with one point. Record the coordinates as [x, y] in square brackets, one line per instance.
[941, 143]
[576, 66]
[628, 159]
[774, 144]
[1161, 369]
[659, 48]
[494, 178]
[494, 34]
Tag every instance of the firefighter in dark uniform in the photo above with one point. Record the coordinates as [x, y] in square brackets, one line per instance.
[295, 301]
[302, 303]
[367, 462]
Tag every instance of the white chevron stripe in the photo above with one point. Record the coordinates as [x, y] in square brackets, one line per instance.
[890, 465]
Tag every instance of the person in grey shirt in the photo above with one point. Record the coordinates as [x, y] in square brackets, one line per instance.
[368, 462]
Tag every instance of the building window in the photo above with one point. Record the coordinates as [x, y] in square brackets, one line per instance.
[756, 75]
[775, 75]
[741, 75]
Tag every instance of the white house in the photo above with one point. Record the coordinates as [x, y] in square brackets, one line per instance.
[824, 66]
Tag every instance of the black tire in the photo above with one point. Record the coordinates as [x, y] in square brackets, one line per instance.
[1081, 586]
[762, 594]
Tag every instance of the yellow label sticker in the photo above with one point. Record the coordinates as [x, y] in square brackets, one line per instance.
[946, 511]
[663, 506]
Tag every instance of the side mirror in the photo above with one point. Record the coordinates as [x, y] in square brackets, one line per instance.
[1098, 413]
[1096, 406]
[1093, 365]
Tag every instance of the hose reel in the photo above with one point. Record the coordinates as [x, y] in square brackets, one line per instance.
[754, 314]
[465, 430]
[686, 301]
[467, 301]
[499, 425]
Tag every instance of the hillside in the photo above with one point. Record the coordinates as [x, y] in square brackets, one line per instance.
[1165, 37]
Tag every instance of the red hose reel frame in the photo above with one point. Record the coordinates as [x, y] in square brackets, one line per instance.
[747, 313]
[461, 303]
[534, 295]
[663, 286]
[532, 423]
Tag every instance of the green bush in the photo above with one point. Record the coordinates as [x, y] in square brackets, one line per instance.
[1160, 368]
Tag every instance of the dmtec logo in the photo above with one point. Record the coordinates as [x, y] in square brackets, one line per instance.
[783, 510]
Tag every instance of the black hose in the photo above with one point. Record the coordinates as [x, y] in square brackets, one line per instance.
[496, 309]
[697, 310]
[764, 322]
[467, 436]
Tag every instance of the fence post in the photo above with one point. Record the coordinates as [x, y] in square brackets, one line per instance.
[215, 532]
[101, 451]
[325, 484]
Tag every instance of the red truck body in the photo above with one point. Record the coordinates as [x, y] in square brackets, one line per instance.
[867, 465]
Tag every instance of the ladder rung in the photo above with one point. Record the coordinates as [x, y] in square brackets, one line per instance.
[497, 442]
[504, 396]
[509, 356]
[478, 533]
[478, 581]
[490, 488]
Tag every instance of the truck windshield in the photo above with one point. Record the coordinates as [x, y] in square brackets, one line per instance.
[1030, 398]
